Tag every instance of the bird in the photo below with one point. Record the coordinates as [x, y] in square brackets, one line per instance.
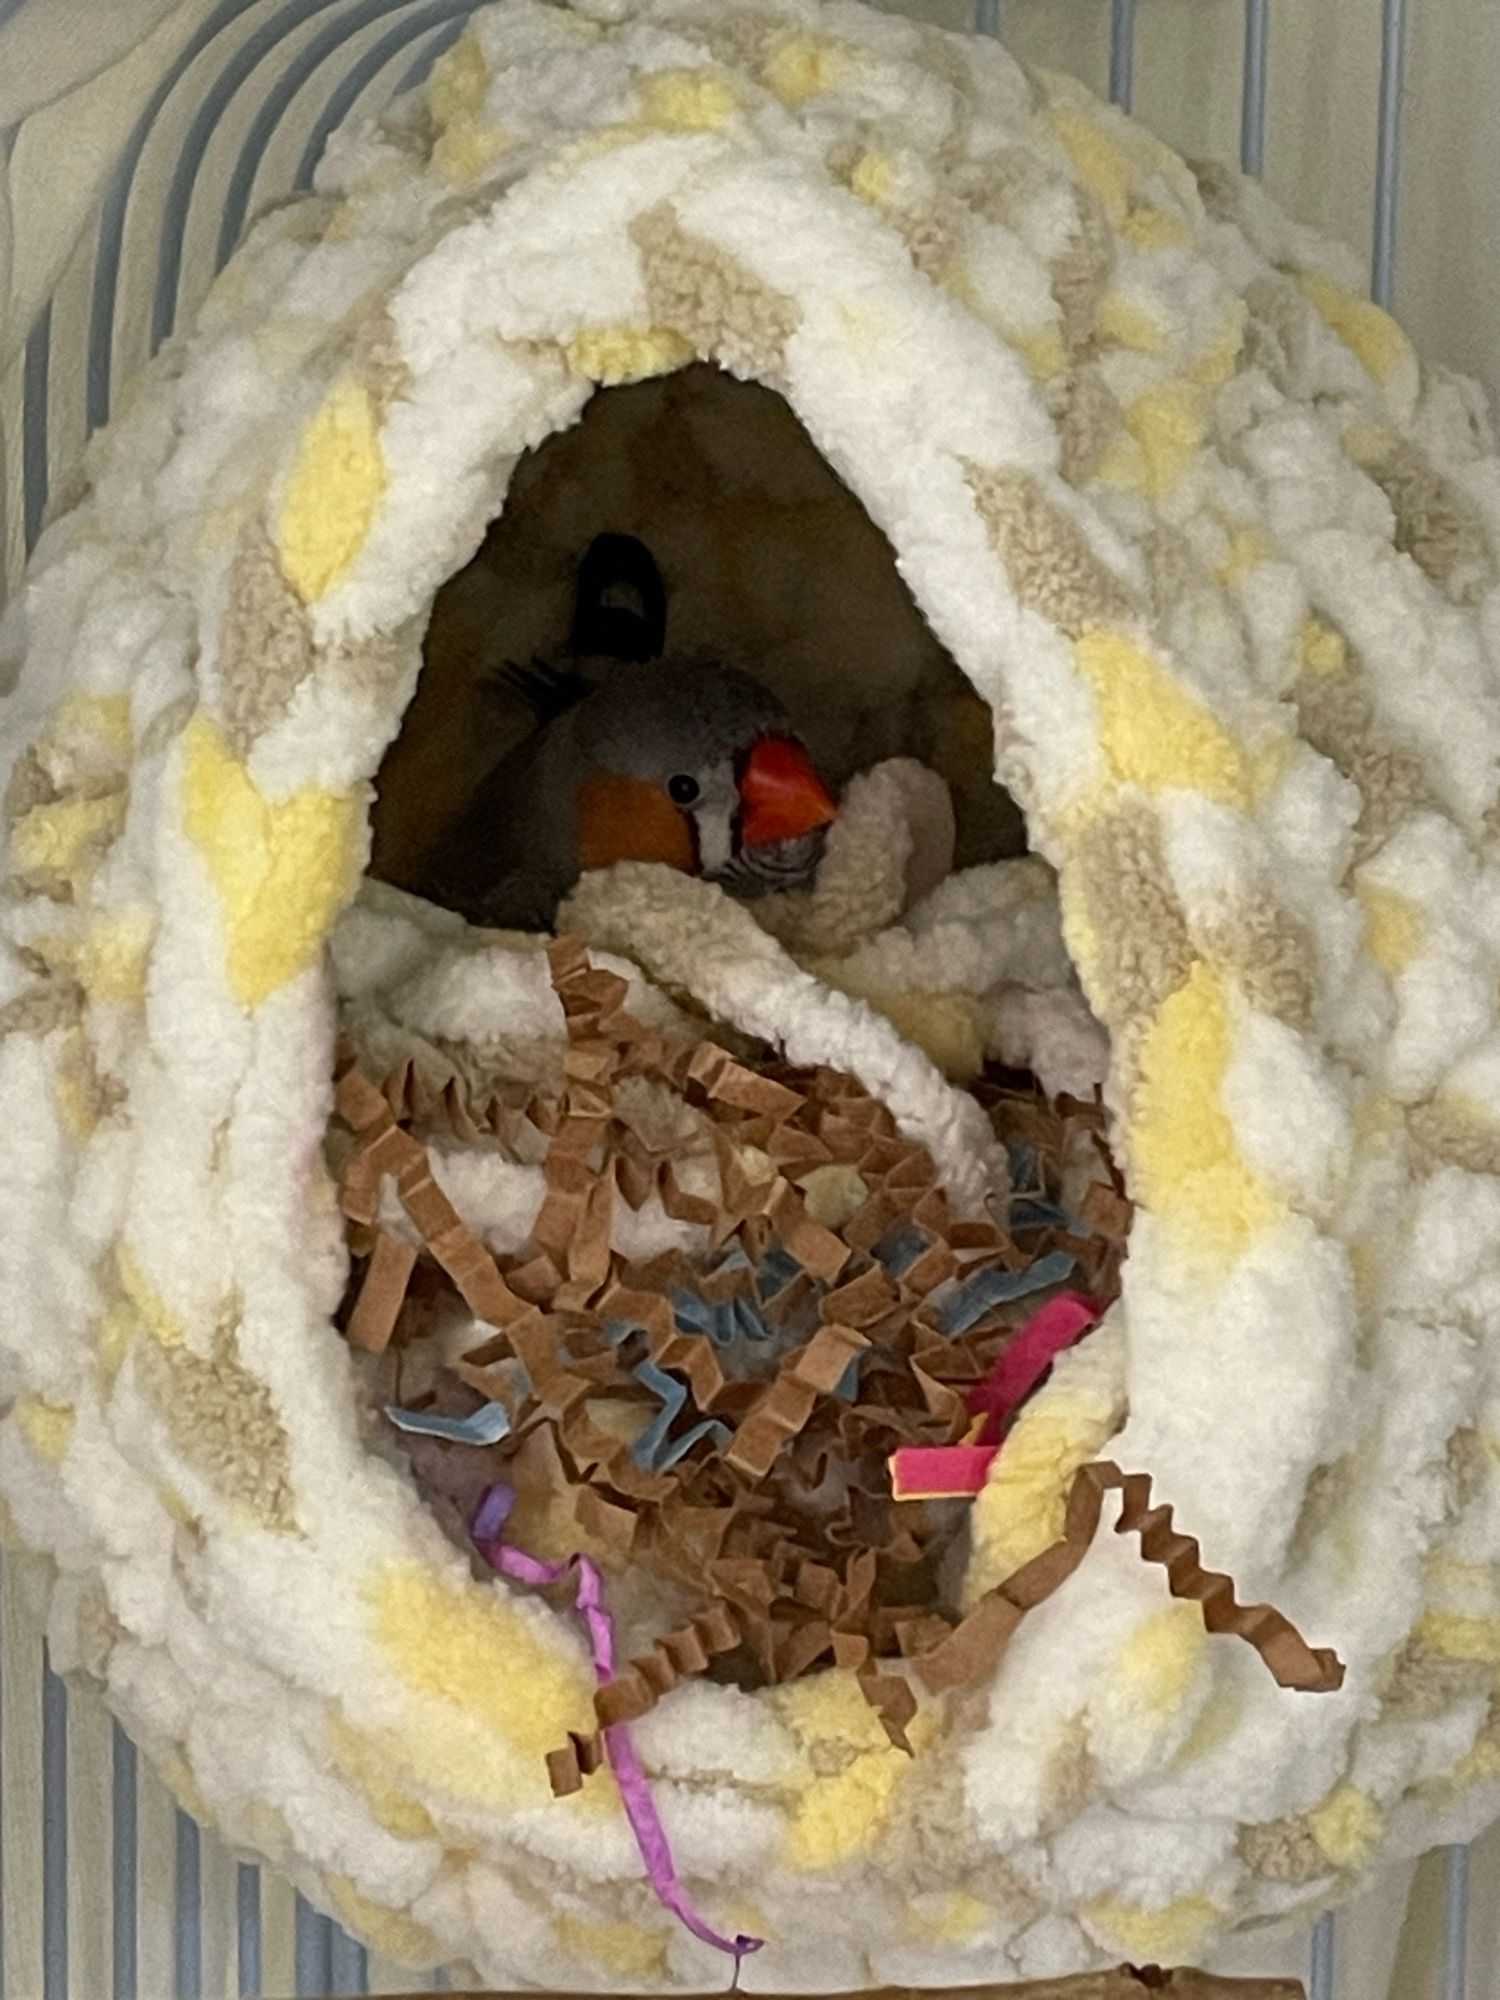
[689, 762]
[634, 755]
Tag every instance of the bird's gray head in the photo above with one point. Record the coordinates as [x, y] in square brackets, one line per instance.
[697, 765]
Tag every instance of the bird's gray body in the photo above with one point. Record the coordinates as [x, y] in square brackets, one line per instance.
[514, 854]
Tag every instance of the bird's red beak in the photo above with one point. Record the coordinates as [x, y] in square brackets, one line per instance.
[782, 794]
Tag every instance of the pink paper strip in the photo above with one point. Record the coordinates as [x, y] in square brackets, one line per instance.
[1049, 1332]
[635, 1787]
[940, 1471]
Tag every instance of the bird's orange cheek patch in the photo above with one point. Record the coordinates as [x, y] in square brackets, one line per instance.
[623, 819]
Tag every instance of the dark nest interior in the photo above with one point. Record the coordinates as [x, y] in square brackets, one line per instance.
[769, 562]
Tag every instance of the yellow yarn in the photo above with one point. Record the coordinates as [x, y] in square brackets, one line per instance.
[1248, 549]
[283, 869]
[105, 718]
[1370, 334]
[1186, 1165]
[149, 1307]
[1457, 1637]
[1218, 361]
[1154, 732]
[1169, 423]
[625, 1951]
[837, 1815]
[109, 959]
[360, 1763]
[1126, 324]
[459, 81]
[180, 1782]
[337, 480]
[1043, 352]
[951, 1918]
[63, 836]
[1020, 1512]
[46, 1427]
[688, 100]
[116, 1331]
[504, 1687]
[1367, 444]
[947, 1027]
[805, 66]
[70, 1089]
[467, 147]
[616, 354]
[1480, 1765]
[1160, 1658]
[1170, 1935]
[393, 1935]
[1149, 229]
[1217, 1721]
[1347, 1826]
[1102, 165]
[872, 176]
[1395, 927]
[1325, 652]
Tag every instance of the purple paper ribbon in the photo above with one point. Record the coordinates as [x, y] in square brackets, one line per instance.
[635, 1787]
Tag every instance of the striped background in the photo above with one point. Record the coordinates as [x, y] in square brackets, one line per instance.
[145, 171]
[136, 136]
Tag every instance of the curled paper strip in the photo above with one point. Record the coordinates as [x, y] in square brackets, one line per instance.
[972, 1648]
[1021, 1366]
[635, 1790]
[719, 1417]
[486, 1425]
[959, 1471]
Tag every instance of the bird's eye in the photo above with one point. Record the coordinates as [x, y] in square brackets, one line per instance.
[683, 790]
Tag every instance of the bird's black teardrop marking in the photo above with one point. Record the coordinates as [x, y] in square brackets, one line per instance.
[620, 612]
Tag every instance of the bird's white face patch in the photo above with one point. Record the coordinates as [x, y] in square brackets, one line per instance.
[714, 816]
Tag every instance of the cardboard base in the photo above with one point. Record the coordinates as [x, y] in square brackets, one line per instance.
[1127, 1983]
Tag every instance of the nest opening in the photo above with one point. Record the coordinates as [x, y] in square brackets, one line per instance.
[770, 562]
[715, 1424]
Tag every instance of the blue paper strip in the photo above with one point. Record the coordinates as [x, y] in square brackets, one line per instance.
[747, 1319]
[692, 1314]
[673, 1395]
[777, 1270]
[1042, 1215]
[995, 1286]
[680, 1447]
[900, 1250]
[486, 1425]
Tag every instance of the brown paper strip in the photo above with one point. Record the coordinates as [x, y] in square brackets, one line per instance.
[970, 1651]
[687, 1651]
[382, 1294]
[786, 1536]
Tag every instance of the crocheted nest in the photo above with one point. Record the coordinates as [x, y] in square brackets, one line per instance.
[1220, 555]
